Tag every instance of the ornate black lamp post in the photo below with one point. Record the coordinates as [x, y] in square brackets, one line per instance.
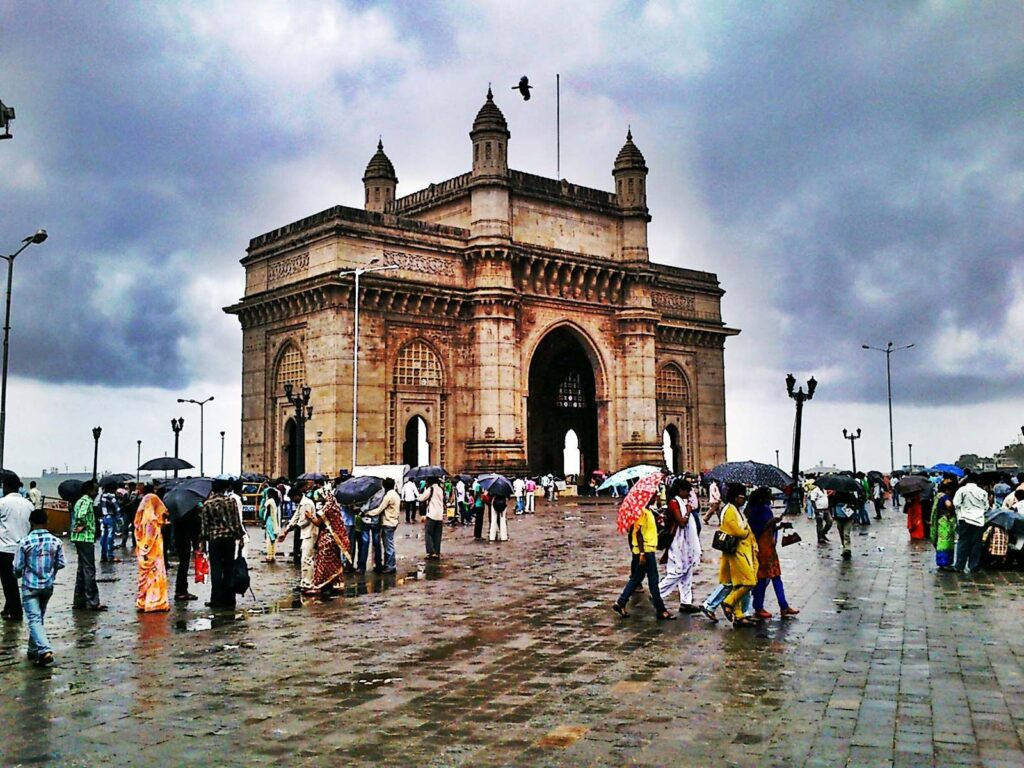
[852, 436]
[176, 426]
[795, 500]
[96, 432]
[303, 413]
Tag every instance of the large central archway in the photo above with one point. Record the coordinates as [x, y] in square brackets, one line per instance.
[562, 397]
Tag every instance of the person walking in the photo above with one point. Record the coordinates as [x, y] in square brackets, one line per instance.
[433, 517]
[388, 513]
[766, 527]
[83, 536]
[844, 511]
[682, 556]
[530, 489]
[714, 502]
[150, 518]
[15, 524]
[303, 519]
[271, 522]
[643, 542]
[518, 492]
[221, 530]
[410, 494]
[822, 514]
[110, 511]
[970, 501]
[877, 498]
[915, 516]
[478, 511]
[38, 557]
[737, 568]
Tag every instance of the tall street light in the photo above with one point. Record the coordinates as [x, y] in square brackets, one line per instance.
[303, 413]
[138, 460]
[96, 432]
[777, 459]
[222, 451]
[176, 426]
[888, 349]
[200, 403]
[910, 450]
[38, 237]
[852, 436]
[319, 446]
[359, 272]
[800, 397]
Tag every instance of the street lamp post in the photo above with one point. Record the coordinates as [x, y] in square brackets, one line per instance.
[176, 426]
[222, 451]
[910, 450]
[852, 436]
[38, 237]
[800, 397]
[358, 272]
[303, 413]
[319, 445]
[96, 432]
[138, 459]
[777, 459]
[200, 403]
[888, 349]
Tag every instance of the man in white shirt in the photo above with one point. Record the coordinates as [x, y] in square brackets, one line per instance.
[304, 518]
[818, 499]
[388, 511]
[971, 503]
[433, 514]
[233, 495]
[460, 501]
[15, 510]
[35, 495]
[410, 497]
[714, 502]
[519, 490]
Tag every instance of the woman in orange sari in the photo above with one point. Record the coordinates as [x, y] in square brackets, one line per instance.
[332, 547]
[149, 521]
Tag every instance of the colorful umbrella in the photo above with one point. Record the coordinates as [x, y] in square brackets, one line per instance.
[623, 476]
[636, 500]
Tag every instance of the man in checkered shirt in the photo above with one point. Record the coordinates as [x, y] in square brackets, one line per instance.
[36, 561]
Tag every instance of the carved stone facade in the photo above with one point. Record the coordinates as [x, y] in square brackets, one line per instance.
[521, 309]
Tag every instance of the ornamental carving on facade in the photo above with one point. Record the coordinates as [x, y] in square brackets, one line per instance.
[286, 267]
[428, 265]
[674, 301]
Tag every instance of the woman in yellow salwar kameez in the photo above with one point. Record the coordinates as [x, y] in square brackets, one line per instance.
[740, 567]
[149, 521]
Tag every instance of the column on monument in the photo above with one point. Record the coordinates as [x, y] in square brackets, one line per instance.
[709, 414]
[637, 403]
[257, 383]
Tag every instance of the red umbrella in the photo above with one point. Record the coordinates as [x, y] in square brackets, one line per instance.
[636, 500]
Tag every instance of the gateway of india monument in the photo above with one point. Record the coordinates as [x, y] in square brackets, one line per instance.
[524, 321]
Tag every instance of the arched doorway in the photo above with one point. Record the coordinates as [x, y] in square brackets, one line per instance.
[291, 449]
[670, 448]
[571, 454]
[416, 447]
[562, 399]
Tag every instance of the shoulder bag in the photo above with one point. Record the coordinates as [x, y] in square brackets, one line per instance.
[725, 543]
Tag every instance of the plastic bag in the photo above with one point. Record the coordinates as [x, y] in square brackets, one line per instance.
[201, 565]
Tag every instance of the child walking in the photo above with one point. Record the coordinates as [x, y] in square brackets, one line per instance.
[38, 558]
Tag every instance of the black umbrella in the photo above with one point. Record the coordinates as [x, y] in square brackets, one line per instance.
[373, 502]
[166, 463]
[114, 480]
[356, 490]
[839, 483]
[912, 484]
[750, 473]
[426, 472]
[467, 479]
[875, 476]
[70, 490]
[254, 477]
[316, 477]
[496, 485]
[186, 495]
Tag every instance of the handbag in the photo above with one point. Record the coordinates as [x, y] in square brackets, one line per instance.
[725, 543]
[790, 538]
[201, 565]
[240, 580]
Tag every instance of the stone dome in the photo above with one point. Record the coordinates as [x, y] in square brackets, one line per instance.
[629, 157]
[489, 118]
[380, 167]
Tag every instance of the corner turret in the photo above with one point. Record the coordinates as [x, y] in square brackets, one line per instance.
[379, 180]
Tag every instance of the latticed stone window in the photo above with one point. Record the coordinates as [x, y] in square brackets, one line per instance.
[418, 366]
[570, 392]
[671, 384]
[290, 367]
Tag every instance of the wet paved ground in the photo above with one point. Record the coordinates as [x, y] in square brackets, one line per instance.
[510, 655]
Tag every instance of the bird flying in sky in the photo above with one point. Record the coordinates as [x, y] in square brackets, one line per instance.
[523, 87]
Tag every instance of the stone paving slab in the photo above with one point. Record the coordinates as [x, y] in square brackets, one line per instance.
[509, 654]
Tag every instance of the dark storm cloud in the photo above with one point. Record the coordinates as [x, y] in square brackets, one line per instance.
[872, 155]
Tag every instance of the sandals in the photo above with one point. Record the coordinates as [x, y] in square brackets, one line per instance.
[666, 616]
[745, 621]
[619, 609]
[709, 613]
[727, 610]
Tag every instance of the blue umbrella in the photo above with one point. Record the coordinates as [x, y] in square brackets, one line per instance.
[624, 476]
[750, 473]
[950, 469]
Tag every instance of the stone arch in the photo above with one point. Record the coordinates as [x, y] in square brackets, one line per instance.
[590, 347]
[418, 388]
[674, 396]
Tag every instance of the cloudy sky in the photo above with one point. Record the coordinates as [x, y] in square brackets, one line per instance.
[853, 173]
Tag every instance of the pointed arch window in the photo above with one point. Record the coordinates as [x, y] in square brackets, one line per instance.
[418, 366]
[672, 385]
[290, 368]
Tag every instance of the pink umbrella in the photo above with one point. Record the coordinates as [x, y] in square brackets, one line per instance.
[637, 498]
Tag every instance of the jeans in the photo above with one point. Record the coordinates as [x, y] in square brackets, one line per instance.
[968, 546]
[721, 592]
[12, 599]
[378, 559]
[107, 537]
[351, 531]
[809, 509]
[862, 514]
[35, 601]
[434, 529]
[362, 549]
[520, 505]
[87, 594]
[387, 535]
[637, 572]
[222, 573]
[762, 587]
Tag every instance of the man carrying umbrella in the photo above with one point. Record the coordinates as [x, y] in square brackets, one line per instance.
[388, 510]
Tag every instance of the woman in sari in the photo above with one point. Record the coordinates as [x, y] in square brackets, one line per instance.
[150, 518]
[766, 526]
[332, 546]
[915, 516]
